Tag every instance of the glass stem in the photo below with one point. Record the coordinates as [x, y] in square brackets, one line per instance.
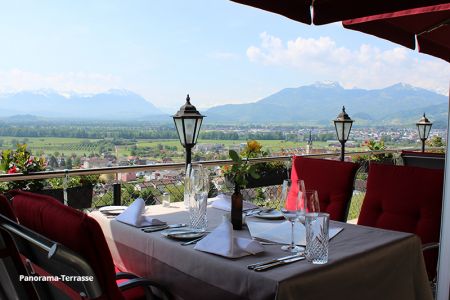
[292, 236]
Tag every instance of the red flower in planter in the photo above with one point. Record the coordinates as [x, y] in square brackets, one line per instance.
[12, 170]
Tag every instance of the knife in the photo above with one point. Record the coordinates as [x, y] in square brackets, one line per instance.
[193, 241]
[278, 263]
[162, 227]
[271, 261]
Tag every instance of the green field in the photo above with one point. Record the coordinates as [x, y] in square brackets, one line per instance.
[50, 145]
[80, 147]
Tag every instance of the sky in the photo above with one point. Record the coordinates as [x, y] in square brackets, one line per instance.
[218, 51]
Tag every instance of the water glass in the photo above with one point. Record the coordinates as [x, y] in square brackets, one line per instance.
[198, 197]
[166, 199]
[198, 220]
[317, 225]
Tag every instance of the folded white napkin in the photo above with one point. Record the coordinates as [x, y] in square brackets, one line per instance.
[134, 215]
[222, 241]
[223, 202]
[281, 232]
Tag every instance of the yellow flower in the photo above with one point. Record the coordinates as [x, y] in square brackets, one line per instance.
[253, 146]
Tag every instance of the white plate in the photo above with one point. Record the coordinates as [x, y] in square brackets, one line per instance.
[112, 210]
[271, 215]
[182, 234]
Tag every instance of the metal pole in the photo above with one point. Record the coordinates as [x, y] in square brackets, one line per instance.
[443, 278]
[423, 145]
[117, 194]
[188, 156]
[342, 150]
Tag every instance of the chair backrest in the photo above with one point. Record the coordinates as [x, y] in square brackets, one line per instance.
[32, 256]
[71, 228]
[11, 266]
[423, 159]
[405, 199]
[332, 179]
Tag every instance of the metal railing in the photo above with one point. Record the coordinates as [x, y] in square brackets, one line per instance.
[119, 192]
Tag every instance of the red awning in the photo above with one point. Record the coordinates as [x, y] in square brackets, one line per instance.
[430, 25]
[328, 11]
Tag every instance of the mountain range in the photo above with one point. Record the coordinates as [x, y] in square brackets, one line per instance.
[114, 104]
[320, 103]
[312, 105]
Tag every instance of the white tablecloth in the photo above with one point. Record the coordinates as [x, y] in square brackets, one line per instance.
[364, 263]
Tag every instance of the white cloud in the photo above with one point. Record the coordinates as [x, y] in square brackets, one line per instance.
[366, 67]
[80, 82]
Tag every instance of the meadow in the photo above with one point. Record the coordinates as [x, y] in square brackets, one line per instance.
[82, 146]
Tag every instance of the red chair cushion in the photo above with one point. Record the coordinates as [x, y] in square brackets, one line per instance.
[332, 179]
[405, 199]
[71, 228]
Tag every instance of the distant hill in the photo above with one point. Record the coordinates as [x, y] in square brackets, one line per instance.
[319, 104]
[311, 105]
[115, 104]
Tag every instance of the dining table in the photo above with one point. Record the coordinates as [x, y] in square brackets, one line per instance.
[364, 263]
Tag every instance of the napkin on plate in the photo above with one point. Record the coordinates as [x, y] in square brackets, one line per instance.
[223, 202]
[134, 215]
[222, 241]
[281, 232]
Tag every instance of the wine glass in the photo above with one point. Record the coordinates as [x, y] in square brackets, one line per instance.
[290, 207]
[309, 202]
[198, 178]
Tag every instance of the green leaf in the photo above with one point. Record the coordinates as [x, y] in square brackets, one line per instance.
[234, 156]
[252, 170]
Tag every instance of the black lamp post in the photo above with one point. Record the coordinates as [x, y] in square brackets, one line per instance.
[188, 121]
[424, 127]
[343, 125]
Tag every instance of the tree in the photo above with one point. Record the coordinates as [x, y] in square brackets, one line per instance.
[435, 141]
[53, 162]
[69, 163]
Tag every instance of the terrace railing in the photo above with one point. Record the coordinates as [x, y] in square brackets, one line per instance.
[118, 192]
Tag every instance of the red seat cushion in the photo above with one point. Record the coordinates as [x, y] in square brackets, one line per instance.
[71, 228]
[405, 199]
[332, 179]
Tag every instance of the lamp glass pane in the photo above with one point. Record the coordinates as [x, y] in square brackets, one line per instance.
[199, 124]
[427, 130]
[347, 128]
[339, 130]
[421, 129]
[189, 126]
[179, 126]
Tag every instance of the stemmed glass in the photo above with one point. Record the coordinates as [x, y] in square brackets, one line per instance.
[198, 178]
[290, 207]
[309, 202]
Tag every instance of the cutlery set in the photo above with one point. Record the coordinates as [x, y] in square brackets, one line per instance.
[162, 227]
[268, 264]
[256, 211]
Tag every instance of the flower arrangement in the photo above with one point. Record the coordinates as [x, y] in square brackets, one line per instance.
[22, 161]
[74, 181]
[242, 171]
[373, 145]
